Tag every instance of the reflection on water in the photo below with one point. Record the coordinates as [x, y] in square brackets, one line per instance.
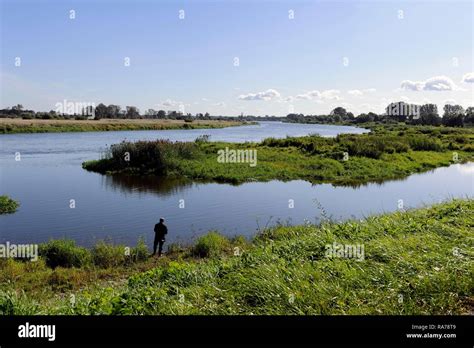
[145, 184]
[125, 208]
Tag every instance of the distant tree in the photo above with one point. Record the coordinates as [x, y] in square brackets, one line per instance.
[373, 116]
[350, 115]
[469, 116]
[100, 111]
[298, 118]
[206, 115]
[132, 112]
[161, 114]
[151, 113]
[87, 111]
[173, 115]
[429, 115]
[17, 109]
[453, 115]
[363, 118]
[113, 111]
[339, 111]
[122, 114]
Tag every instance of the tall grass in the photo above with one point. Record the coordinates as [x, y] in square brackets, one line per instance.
[65, 253]
[416, 262]
[211, 244]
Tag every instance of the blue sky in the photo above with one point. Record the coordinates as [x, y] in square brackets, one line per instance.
[417, 51]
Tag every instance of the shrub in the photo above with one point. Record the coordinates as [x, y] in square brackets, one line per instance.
[8, 205]
[468, 148]
[108, 255]
[140, 252]
[158, 156]
[14, 304]
[64, 253]
[203, 138]
[66, 279]
[211, 245]
[374, 147]
[424, 143]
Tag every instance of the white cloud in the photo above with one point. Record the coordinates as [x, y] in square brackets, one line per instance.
[169, 102]
[411, 85]
[450, 102]
[331, 94]
[309, 95]
[368, 108]
[347, 106]
[404, 99]
[439, 83]
[358, 92]
[355, 92]
[468, 78]
[436, 83]
[269, 94]
[221, 104]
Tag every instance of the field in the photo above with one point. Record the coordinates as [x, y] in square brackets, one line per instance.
[12, 125]
[412, 262]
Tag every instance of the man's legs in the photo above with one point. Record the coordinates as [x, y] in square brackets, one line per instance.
[155, 243]
[160, 247]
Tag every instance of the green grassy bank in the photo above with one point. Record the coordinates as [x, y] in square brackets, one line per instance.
[9, 126]
[415, 262]
[346, 159]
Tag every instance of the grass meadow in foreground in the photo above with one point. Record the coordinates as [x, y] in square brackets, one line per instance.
[346, 159]
[9, 125]
[414, 262]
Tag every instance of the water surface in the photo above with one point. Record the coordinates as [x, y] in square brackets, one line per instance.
[125, 208]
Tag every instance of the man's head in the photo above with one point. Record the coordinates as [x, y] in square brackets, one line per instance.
[162, 220]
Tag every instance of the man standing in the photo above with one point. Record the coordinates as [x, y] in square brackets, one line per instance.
[160, 231]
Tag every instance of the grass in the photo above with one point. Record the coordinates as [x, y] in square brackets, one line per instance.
[385, 153]
[8, 205]
[11, 125]
[415, 262]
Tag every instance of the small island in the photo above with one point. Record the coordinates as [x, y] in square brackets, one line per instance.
[387, 152]
[8, 205]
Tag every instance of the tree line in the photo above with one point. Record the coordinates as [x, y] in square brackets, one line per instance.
[427, 114]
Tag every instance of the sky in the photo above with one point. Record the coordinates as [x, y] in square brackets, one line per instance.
[232, 57]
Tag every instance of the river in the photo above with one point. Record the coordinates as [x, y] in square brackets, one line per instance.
[123, 208]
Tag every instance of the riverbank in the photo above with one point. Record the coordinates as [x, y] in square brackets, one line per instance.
[413, 262]
[11, 125]
[383, 154]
